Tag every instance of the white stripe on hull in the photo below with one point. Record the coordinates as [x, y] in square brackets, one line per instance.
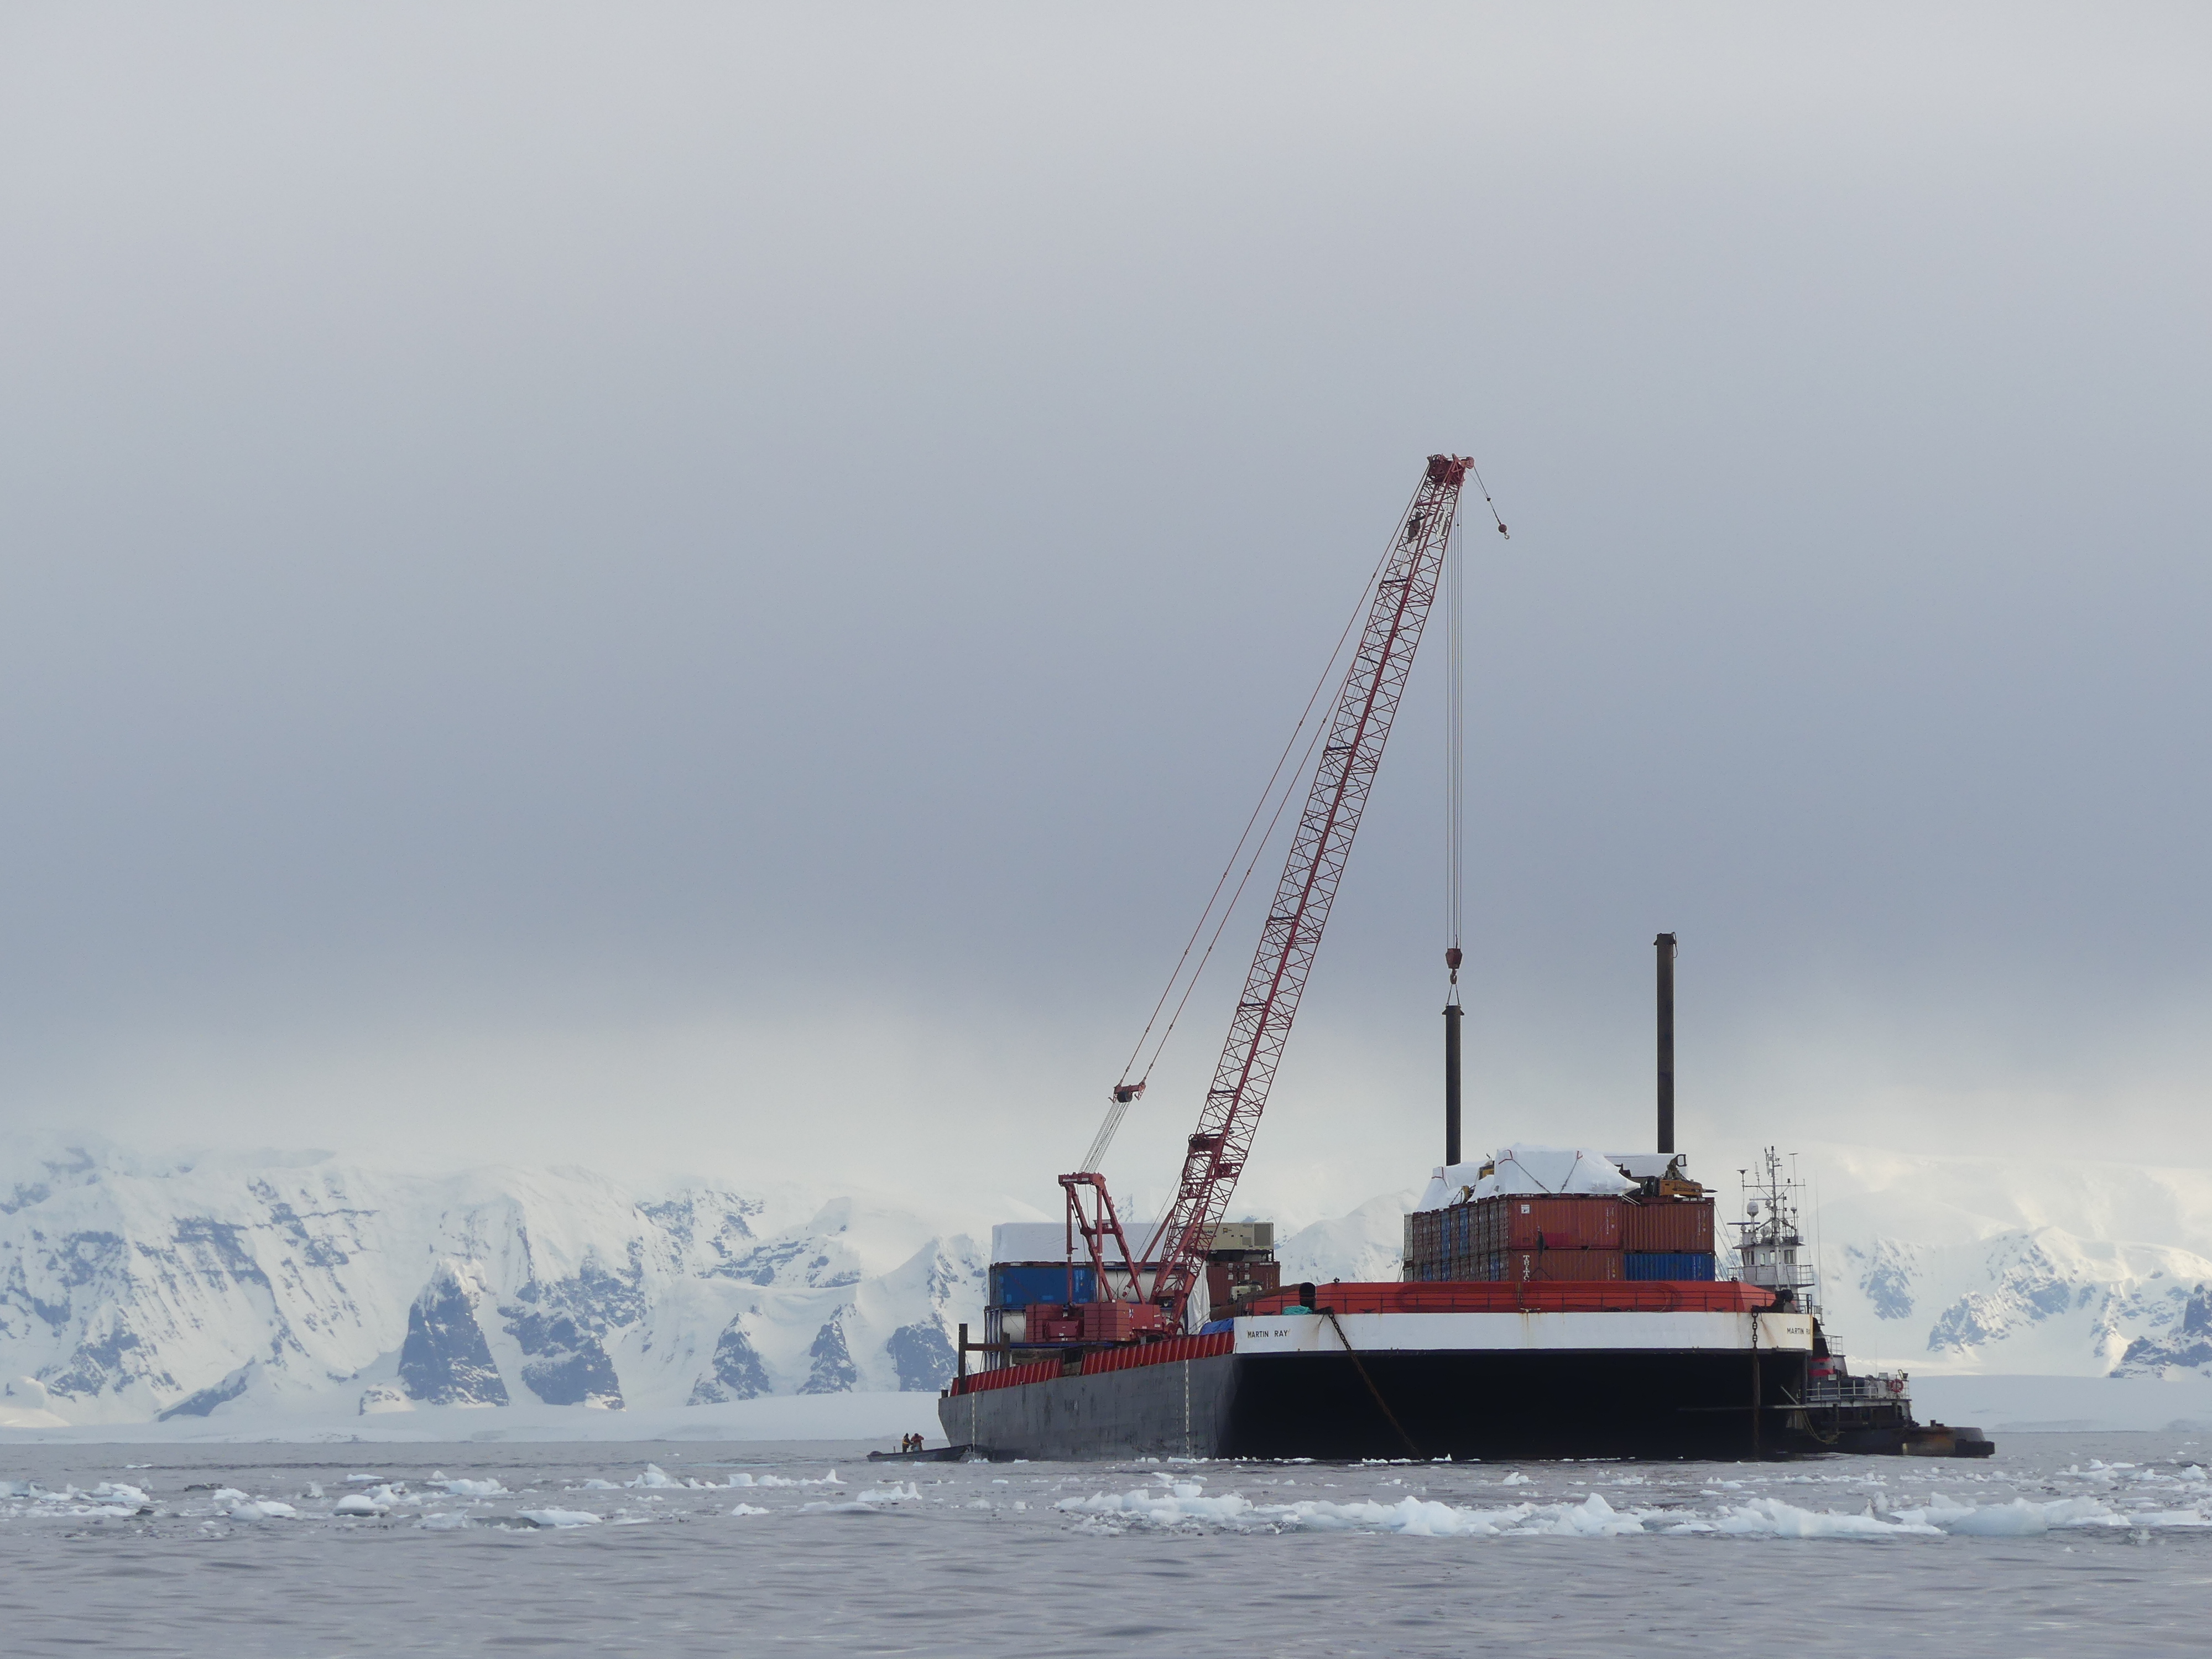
[1432, 1332]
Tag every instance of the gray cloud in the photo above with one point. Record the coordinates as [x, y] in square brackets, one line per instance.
[696, 583]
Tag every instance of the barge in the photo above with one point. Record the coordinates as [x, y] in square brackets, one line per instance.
[1555, 1303]
[1588, 1364]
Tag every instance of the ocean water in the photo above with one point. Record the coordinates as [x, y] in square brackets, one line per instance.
[2060, 1545]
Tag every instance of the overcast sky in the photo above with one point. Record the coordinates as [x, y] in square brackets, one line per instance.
[707, 587]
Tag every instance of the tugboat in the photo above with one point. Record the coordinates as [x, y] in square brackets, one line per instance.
[1555, 1303]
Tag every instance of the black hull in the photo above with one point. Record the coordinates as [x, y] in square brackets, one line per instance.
[1461, 1404]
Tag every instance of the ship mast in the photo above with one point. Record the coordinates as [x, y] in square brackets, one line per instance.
[1771, 1239]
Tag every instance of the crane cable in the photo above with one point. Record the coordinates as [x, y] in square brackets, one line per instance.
[1124, 1091]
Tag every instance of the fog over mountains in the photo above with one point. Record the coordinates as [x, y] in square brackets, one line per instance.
[133, 1288]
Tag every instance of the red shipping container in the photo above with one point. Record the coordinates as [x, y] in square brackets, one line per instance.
[1554, 1222]
[1607, 1266]
[1670, 1226]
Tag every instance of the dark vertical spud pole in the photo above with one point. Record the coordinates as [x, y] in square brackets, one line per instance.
[1665, 945]
[1451, 1084]
[1453, 957]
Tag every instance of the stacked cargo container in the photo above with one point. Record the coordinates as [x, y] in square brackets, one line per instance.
[1562, 1236]
[1037, 1298]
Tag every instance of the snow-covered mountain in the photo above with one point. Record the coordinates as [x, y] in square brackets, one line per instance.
[2014, 1266]
[134, 1288]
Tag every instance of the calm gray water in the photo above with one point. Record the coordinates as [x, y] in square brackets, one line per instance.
[2061, 1544]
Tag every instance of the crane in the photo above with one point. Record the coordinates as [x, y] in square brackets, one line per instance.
[1398, 604]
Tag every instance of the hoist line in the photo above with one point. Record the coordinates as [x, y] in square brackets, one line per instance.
[1250, 865]
[1119, 1104]
[1328, 675]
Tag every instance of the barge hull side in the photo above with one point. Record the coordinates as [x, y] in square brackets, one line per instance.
[1180, 1409]
[1484, 1404]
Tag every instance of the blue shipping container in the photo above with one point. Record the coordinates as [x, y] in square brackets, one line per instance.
[1018, 1284]
[1642, 1264]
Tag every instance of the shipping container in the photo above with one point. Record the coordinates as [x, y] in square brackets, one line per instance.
[1549, 1223]
[1243, 1236]
[1018, 1284]
[1599, 1265]
[1678, 1265]
[1670, 1226]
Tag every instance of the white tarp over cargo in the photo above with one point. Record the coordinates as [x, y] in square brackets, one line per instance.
[1526, 1168]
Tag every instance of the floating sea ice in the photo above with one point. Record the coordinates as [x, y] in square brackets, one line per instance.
[2021, 1518]
[229, 1495]
[829, 1480]
[560, 1518]
[893, 1493]
[1771, 1517]
[741, 1478]
[599, 1485]
[1591, 1518]
[359, 1503]
[654, 1475]
[444, 1523]
[265, 1509]
[2018, 1519]
[2168, 1518]
[473, 1488]
[1415, 1517]
[1162, 1507]
[1515, 1479]
[748, 1509]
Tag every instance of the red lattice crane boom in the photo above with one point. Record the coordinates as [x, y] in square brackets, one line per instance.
[1365, 705]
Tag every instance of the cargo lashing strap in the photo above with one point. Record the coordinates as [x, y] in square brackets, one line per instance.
[1382, 1405]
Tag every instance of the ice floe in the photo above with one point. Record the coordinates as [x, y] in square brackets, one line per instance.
[557, 1519]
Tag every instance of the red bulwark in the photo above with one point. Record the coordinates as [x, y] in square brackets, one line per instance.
[1103, 1359]
[1540, 1296]
[1159, 1353]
